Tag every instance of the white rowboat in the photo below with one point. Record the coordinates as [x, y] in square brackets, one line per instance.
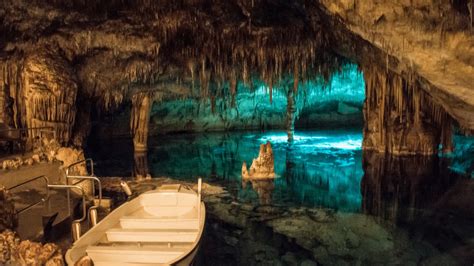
[159, 227]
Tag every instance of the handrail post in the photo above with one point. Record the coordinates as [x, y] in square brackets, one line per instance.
[93, 209]
[76, 224]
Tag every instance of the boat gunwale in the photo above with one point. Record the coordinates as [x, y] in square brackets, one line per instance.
[137, 200]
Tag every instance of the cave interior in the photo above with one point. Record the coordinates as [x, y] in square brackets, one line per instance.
[368, 105]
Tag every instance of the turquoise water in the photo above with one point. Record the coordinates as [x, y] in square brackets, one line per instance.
[428, 198]
[321, 168]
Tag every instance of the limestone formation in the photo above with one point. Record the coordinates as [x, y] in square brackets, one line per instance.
[432, 39]
[72, 61]
[16, 252]
[8, 217]
[401, 118]
[140, 120]
[263, 166]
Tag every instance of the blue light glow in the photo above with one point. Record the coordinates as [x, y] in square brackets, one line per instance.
[323, 142]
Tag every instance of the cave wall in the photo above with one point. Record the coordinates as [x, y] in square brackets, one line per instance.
[401, 118]
[57, 56]
[431, 40]
[337, 103]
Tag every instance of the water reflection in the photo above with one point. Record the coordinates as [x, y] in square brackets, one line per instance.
[400, 189]
[319, 169]
[263, 188]
[311, 171]
[140, 166]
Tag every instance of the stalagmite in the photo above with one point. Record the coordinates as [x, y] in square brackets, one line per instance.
[140, 119]
[263, 167]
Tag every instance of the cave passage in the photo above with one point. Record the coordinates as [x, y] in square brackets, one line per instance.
[327, 132]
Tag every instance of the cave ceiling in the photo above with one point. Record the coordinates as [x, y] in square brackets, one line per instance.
[115, 48]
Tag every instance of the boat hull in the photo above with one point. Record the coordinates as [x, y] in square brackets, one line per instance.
[161, 227]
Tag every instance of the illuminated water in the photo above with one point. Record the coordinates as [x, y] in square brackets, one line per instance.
[320, 168]
[427, 199]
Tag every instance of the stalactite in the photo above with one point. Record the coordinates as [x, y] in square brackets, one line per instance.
[295, 77]
[270, 90]
[408, 120]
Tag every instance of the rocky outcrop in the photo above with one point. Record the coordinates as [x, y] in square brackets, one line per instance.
[429, 38]
[263, 166]
[8, 217]
[50, 90]
[401, 118]
[13, 251]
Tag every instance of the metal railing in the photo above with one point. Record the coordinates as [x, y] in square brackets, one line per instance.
[76, 228]
[38, 202]
[76, 224]
[93, 209]
[79, 162]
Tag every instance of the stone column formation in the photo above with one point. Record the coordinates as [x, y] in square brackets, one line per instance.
[2, 105]
[401, 118]
[11, 82]
[140, 120]
[290, 114]
[43, 87]
[50, 94]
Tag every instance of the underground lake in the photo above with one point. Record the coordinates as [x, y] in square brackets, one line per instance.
[236, 132]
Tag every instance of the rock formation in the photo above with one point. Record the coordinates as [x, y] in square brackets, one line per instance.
[401, 118]
[109, 55]
[8, 217]
[429, 39]
[140, 120]
[263, 166]
[13, 251]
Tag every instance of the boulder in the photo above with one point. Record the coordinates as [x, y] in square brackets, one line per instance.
[16, 252]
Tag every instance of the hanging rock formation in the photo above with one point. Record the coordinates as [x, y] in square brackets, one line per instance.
[430, 39]
[401, 118]
[263, 166]
[192, 49]
[50, 93]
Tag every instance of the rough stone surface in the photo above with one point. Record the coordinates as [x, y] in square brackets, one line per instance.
[16, 252]
[8, 217]
[263, 167]
[431, 38]
[230, 45]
